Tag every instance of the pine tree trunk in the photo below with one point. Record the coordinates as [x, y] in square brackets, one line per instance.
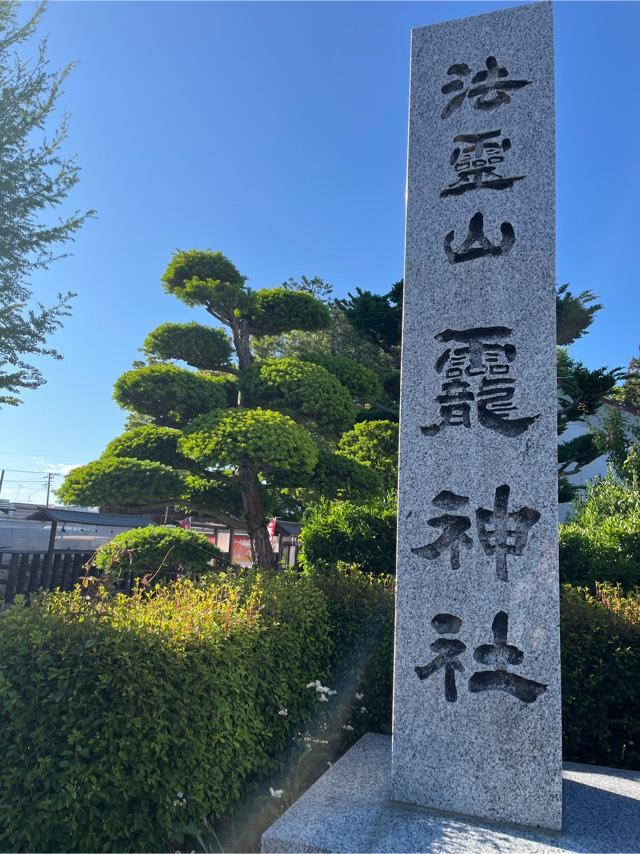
[242, 343]
[254, 515]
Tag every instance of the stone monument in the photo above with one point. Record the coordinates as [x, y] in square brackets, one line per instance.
[477, 725]
[477, 703]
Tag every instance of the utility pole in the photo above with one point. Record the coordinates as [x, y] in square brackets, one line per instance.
[1, 479]
[49, 478]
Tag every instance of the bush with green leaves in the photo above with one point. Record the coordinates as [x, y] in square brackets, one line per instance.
[601, 676]
[156, 550]
[361, 535]
[601, 540]
[128, 720]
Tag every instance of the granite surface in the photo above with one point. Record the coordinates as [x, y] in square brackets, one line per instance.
[350, 809]
[477, 706]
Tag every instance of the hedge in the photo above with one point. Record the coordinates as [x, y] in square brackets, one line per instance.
[127, 720]
[601, 676]
[157, 550]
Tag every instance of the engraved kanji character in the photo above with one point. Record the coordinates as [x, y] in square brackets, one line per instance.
[488, 88]
[448, 650]
[454, 529]
[476, 244]
[502, 533]
[488, 359]
[501, 654]
[476, 163]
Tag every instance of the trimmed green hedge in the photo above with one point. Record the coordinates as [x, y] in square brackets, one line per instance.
[113, 708]
[127, 721]
[601, 676]
[157, 550]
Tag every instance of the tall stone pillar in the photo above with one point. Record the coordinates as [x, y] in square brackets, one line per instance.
[477, 726]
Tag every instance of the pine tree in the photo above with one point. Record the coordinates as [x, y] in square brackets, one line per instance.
[34, 179]
[231, 432]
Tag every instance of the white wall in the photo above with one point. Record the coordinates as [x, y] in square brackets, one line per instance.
[599, 467]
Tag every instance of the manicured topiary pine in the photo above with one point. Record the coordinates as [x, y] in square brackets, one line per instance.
[228, 432]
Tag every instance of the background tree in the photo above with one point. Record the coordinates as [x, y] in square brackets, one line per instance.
[232, 432]
[35, 178]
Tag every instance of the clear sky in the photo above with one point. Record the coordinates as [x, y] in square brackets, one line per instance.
[276, 133]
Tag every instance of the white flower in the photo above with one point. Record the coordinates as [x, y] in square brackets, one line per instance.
[283, 713]
[363, 709]
[180, 795]
[323, 698]
[331, 693]
[359, 696]
[348, 727]
[313, 684]
[276, 793]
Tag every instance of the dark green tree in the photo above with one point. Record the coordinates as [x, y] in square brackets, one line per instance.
[35, 178]
[632, 384]
[232, 432]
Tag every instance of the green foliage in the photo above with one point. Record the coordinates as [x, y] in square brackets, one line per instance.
[601, 676]
[601, 541]
[277, 310]
[378, 317]
[171, 395]
[363, 536]
[362, 382]
[580, 390]
[37, 178]
[261, 438]
[613, 439]
[300, 388]
[339, 476]
[203, 494]
[113, 481]
[203, 347]
[574, 314]
[158, 444]
[156, 549]
[128, 720]
[203, 277]
[374, 443]
[361, 614]
[632, 384]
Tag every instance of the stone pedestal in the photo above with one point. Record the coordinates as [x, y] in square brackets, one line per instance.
[351, 809]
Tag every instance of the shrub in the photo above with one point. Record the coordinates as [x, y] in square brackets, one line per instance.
[362, 535]
[155, 549]
[601, 676]
[601, 542]
[126, 720]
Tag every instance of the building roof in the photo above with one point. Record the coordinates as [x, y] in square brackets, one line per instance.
[82, 517]
[608, 401]
[289, 529]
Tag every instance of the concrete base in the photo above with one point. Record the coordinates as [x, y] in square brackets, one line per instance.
[350, 809]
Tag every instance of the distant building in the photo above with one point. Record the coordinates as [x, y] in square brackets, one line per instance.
[597, 468]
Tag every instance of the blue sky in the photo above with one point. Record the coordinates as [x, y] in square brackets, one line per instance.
[276, 132]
